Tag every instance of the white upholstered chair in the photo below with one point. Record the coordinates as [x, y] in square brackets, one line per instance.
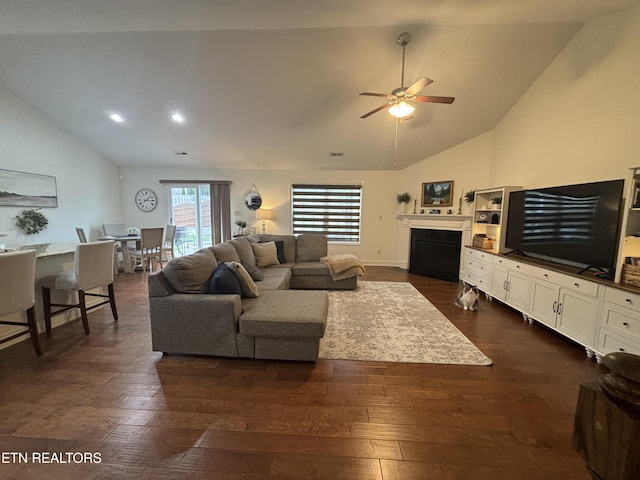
[151, 240]
[169, 241]
[17, 292]
[93, 269]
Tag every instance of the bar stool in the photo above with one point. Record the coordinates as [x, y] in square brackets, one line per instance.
[17, 292]
[93, 269]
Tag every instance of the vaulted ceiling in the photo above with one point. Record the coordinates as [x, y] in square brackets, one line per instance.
[274, 84]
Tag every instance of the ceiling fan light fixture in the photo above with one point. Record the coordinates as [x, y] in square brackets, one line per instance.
[401, 109]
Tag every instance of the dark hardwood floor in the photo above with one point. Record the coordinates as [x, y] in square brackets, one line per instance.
[148, 416]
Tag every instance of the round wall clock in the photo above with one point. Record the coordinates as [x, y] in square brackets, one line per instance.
[146, 200]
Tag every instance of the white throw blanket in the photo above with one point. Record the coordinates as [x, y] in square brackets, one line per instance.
[343, 266]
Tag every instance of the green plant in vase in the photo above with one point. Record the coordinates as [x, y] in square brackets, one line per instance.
[32, 221]
[403, 199]
[241, 226]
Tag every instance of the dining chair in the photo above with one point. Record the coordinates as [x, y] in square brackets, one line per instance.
[93, 268]
[17, 293]
[114, 229]
[150, 248]
[169, 242]
[81, 235]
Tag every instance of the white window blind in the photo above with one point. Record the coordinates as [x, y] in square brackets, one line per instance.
[332, 210]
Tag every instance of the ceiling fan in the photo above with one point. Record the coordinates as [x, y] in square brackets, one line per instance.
[399, 100]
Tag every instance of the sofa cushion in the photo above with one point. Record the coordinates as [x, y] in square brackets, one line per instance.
[310, 248]
[289, 243]
[225, 252]
[247, 285]
[224, 280]
[285, 313]
[244, 250]
[191, 273]
[310, 269]
[266, 254]
[254, 271]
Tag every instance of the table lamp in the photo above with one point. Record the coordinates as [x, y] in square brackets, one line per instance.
[264, 214]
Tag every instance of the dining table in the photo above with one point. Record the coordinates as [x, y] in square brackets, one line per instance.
[124, 241]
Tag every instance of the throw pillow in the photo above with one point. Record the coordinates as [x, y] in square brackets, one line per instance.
[224, 280]
[225, 252]
[244, 250]
[255, 273]
[247, 285]
[191, 273]
[280, 251]
[266, 254]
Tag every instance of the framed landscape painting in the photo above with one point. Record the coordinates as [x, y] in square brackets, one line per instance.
[20, 189]
[437, 194]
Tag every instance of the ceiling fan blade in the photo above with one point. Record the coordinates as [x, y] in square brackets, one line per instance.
[405, 119]
[381, 107]
[432, 99]
[417, 86]
[375, 94]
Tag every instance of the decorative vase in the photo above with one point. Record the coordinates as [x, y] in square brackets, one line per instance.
[402, 208]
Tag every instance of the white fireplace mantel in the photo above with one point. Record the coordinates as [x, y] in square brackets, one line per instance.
[458, 223]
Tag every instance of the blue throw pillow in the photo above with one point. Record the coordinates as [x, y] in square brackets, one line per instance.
[224, 280]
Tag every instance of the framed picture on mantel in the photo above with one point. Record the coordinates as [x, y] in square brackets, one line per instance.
[437, 194]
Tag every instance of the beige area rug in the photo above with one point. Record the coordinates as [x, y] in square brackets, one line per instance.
[393, 322]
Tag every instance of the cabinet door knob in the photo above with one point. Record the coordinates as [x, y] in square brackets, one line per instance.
[625, 324]
[554, 307]
[621, 349]
[628, 300]
[576, 285]
[546, 275]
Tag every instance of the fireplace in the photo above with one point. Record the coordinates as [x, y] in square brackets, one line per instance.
[435, 253]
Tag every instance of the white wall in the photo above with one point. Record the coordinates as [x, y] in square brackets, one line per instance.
[87, 183]
[580, 120]
[378, 197]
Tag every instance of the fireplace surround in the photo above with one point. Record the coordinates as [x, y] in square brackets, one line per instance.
[437, 224]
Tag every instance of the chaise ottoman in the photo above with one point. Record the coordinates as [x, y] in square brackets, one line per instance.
[286, 324]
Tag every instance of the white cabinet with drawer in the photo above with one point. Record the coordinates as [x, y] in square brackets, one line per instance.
[511, 283]
[619, 323]
[567, 304]
[477, 269]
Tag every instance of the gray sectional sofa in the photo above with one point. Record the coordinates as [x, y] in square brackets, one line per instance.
[283, 320]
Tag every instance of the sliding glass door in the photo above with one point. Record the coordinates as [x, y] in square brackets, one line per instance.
[191, 212]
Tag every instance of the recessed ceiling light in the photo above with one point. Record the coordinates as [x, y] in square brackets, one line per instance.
[177, 117]
[116, 117]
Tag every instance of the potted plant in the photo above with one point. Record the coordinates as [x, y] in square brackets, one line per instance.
[403, 199]
[497, 201]
[469, 198]
[32, 221]
[241, 226]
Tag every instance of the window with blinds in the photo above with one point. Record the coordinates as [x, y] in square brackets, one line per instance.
[332, 210]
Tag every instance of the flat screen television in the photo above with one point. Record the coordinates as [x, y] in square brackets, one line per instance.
[577, 223]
